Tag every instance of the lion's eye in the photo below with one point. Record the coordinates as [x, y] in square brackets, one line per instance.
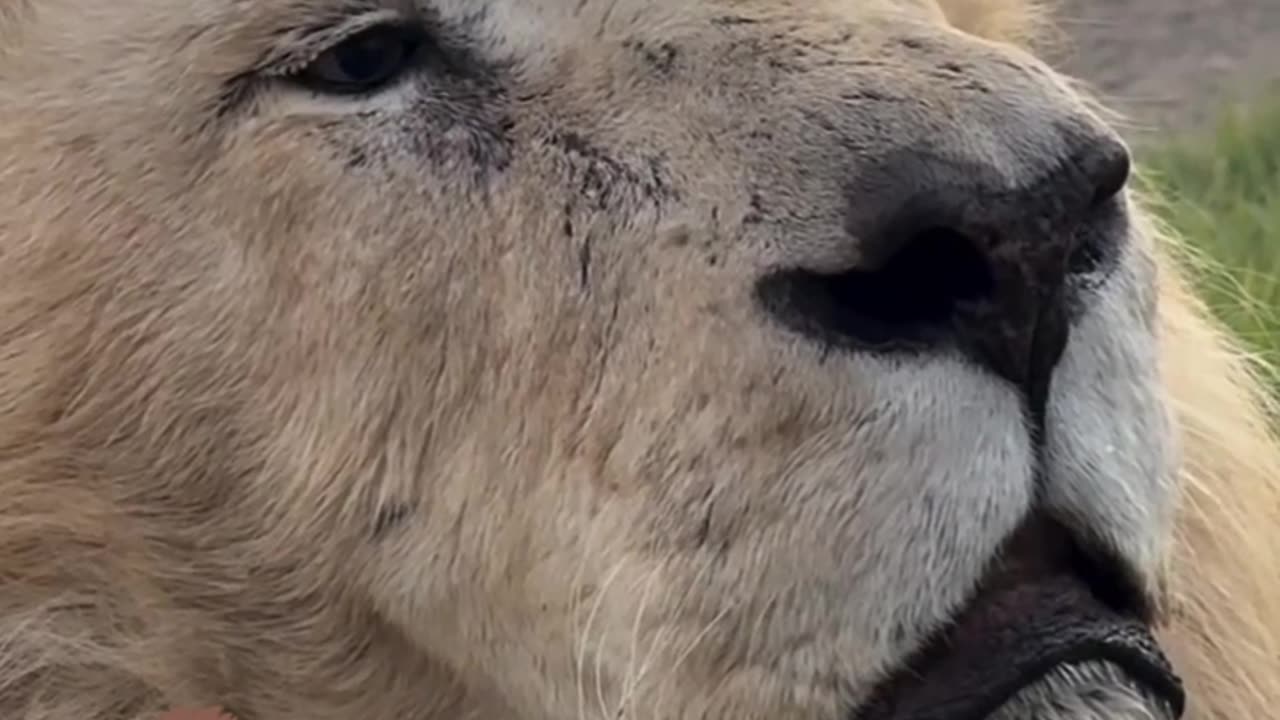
[363, 62]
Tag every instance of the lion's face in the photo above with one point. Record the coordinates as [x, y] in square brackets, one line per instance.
[641, 358]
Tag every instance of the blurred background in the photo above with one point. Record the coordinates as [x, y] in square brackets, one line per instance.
[1198, 83]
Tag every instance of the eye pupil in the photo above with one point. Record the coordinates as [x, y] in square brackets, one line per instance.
[367, 58]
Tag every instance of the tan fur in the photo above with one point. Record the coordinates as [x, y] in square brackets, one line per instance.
[1016, 22]
[229, 344]
[1223, 620]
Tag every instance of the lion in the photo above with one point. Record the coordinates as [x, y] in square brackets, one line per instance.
[586, 359]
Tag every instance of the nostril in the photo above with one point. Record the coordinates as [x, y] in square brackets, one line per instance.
[909, 300]
[1095, 250]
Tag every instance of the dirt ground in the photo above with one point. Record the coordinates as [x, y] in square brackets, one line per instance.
[1168, 64]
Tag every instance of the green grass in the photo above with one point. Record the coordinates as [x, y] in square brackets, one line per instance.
[1221, 191]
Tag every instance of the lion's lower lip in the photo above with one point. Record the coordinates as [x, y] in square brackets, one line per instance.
[1013, 635]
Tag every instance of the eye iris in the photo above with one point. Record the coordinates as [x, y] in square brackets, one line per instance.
[361, 63]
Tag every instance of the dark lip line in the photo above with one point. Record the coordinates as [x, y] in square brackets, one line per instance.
[1114, 624]
[1142, 664]
[1128, 658]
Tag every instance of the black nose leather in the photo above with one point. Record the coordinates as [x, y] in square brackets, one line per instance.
[967, 254]
[1030, 238]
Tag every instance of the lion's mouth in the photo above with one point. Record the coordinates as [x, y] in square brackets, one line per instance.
[1038, 615]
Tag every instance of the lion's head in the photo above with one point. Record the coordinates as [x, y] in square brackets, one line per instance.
[570, 359]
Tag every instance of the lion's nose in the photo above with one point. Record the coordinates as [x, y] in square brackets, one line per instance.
[970, 255]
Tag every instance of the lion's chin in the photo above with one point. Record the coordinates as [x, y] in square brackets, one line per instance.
[1037, 642]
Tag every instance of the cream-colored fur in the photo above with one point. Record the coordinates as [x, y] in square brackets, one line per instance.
[451, 402]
